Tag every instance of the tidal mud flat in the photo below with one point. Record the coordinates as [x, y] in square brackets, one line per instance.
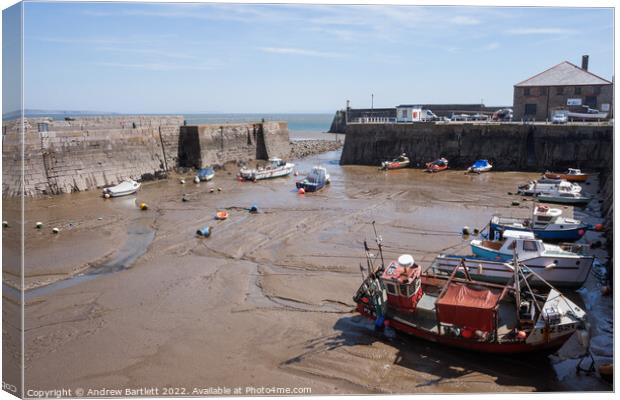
[266, 300]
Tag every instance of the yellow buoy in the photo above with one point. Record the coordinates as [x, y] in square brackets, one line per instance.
[144, 206]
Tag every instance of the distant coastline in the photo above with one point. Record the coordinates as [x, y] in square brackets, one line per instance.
[298, 123]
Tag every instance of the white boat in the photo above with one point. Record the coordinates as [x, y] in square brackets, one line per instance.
[562, 265]
[546, 224]
[533, 187]
[276, 168]
[563, 196]
[128, 186]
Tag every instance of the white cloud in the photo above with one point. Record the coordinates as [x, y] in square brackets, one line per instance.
[464, 20]
[300, 52]
[158, 66]
[491, 46]
[540, 31]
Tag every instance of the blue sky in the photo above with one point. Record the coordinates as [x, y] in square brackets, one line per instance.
[295, 58]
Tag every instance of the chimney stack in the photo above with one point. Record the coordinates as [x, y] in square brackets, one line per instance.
[584, 62]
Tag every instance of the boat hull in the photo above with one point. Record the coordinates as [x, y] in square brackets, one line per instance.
[565, 235]
[395, 165]
[564, 200]
[568, 177]
[205, 178]
[122, 189]
[482, 347]
[308, 187]
[566, 274]
[255, 175]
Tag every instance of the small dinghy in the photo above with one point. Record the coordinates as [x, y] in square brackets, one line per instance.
[437, 165]
[400, 162]
[314, 181]
[128, 186]
[205, 174]
[276, 168]
[572, 175]
[480, 166]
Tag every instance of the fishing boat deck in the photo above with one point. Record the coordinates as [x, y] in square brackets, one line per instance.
[424, 316]
[506, 319]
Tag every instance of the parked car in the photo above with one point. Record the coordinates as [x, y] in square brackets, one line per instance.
[459, 117]
[559, 117]
[503, 114]
[479, 117]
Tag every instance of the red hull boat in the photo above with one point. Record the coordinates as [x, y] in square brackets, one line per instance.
[455, 310]
[437, 165]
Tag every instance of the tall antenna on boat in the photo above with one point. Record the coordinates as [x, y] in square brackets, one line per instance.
[379, 241]
[515, 263]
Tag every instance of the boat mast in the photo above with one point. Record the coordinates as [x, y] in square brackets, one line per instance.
[515, 263]
[379, 240]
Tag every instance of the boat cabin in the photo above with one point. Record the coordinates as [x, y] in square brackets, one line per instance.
[401, 280]
[525, 243]
[544, 216]
[574, 171]
[276, 162]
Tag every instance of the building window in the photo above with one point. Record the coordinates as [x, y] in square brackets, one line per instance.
[596, 90]
[559, 90]
[530, 109]
[42, 127]
[542, 91]
[590, 101]
[577, 90]
[526, 91]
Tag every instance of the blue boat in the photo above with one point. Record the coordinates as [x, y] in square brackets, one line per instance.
[546, 224]
[205, 174]
[314, 181]
[480, 166]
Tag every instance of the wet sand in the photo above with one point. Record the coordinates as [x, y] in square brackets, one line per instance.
[266, 300]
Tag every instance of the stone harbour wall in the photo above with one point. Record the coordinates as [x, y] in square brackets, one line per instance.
[62, 156]
[532, 147]
[216, 144]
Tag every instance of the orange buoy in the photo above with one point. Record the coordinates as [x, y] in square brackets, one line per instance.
[605, 290]
[598, 227]
[221, 215]
[521, 335]
[301, 191]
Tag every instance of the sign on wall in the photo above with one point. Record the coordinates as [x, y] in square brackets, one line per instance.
[605, 107]
[573, 102]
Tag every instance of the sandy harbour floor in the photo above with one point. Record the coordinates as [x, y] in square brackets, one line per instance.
[140, 301]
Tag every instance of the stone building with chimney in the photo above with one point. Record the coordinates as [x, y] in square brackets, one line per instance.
[562, 87]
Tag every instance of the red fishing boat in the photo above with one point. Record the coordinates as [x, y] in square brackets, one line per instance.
[437, 165]
[455, 310]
